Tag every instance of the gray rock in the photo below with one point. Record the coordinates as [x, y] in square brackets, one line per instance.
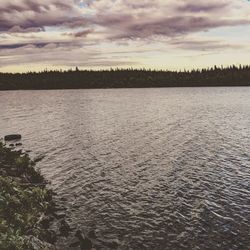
[39, 158]
[64, 228]
[12, 137]
[37, 244]
[50, 236]
[46, 221]
[84, 242]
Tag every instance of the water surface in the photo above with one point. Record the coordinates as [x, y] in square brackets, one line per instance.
[145, 168]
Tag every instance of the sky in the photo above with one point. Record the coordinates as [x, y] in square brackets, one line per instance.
[104, 34]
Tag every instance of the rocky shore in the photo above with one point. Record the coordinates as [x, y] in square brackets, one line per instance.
[27, 209]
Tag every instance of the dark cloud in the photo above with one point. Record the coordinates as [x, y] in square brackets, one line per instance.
[146, 19]
[76, 22]
[18, 29]
[30, 14]
[20, 45]
[129, 28]
[203, 45]
[55, 55]
[64, 28]
[203, 7]
[12, 46]
[82, 33]
[123, 19]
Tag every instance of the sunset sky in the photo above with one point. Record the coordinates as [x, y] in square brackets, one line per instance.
[100, 34]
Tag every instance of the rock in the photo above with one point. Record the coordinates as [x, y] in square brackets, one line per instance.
[12, 145]
[39, 158]
[12, 137]
[37, 244]
[50, 236]
[19, 144]
[85, 243]
[64, 228]
[46, 221]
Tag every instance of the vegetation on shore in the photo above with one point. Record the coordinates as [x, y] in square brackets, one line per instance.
[126, 78]
[24, 202]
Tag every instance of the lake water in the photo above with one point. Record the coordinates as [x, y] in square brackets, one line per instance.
[144, 168]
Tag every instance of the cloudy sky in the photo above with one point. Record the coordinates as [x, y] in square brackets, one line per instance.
[159, 34]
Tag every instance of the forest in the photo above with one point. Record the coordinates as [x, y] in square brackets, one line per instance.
[126, 78]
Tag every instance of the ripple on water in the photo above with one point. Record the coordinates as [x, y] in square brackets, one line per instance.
[144, 168]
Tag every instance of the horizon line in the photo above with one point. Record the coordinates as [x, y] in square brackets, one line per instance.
[111, 69]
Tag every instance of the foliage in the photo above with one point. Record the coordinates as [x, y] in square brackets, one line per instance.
[126, 78]
[22, 201]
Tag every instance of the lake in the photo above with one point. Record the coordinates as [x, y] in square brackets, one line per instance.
[145, 168]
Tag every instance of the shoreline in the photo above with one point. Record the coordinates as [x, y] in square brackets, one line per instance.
[27, 208]
[247, 85]
[126, 78]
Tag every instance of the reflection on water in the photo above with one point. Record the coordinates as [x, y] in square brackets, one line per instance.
[144, 168]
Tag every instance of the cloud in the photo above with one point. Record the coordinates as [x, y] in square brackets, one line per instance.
[59, 55]
[18, 29]
[194, 44]
[28, 14]
[74, 27]
[125, 19]
[205, 7]
[82, 33]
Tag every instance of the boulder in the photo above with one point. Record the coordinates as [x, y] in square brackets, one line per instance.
[64, 228]
[45, 221]
[37, 244]
[12, 137]
[84, 242]
[50, 236]
[39, 158]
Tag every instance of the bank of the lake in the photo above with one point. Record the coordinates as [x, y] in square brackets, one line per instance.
[26, 204]
[126, 78]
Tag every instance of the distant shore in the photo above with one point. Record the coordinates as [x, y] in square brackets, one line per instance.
[127, 78]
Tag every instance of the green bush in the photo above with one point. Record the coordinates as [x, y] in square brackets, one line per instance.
[22, 202]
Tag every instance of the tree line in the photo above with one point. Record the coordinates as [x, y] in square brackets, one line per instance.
[126, 78]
